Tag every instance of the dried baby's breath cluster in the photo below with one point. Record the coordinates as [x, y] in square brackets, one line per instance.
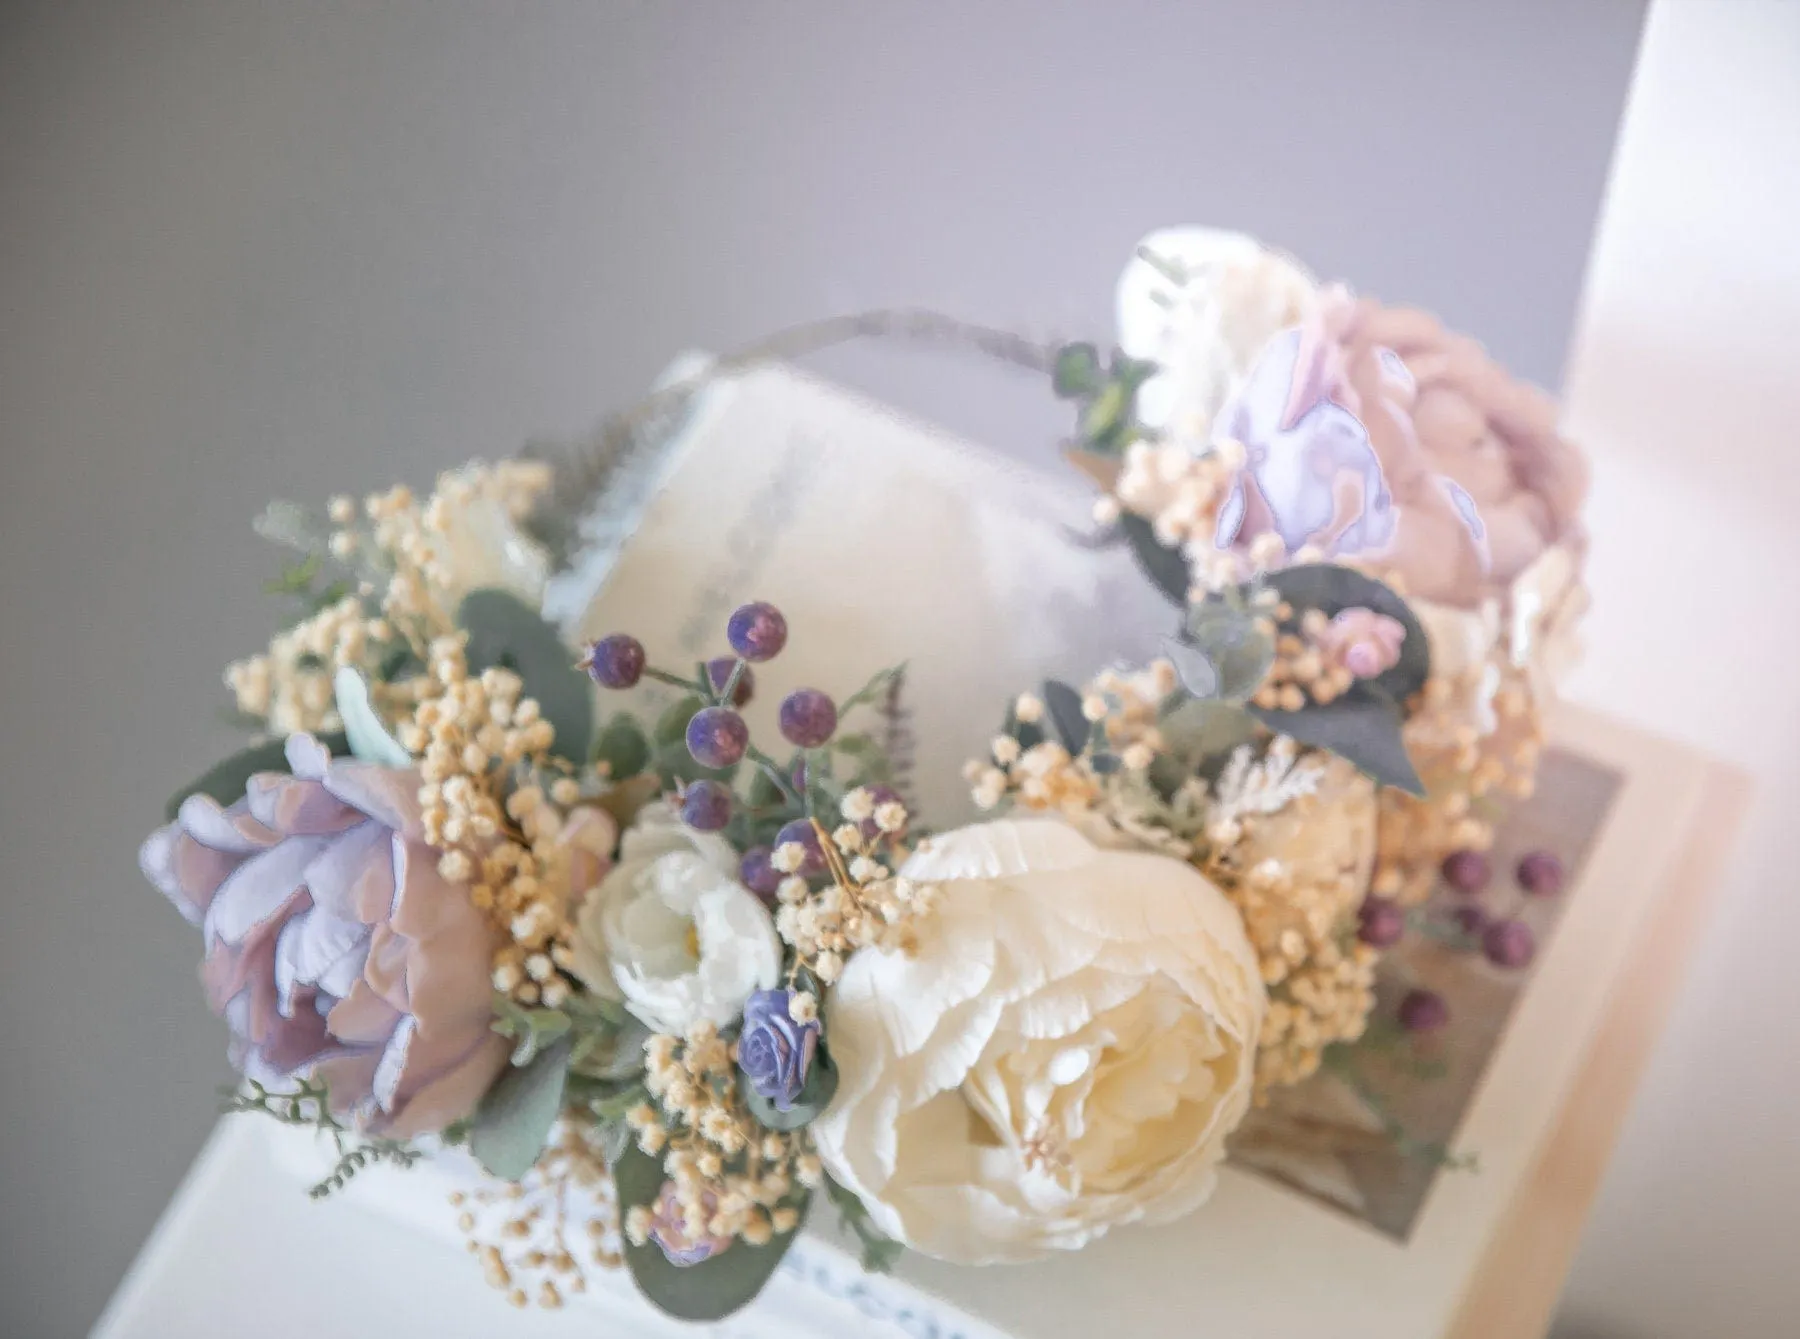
[729, 1177]
[1465, 768]
[1181, 492]
[1297, 874]
[290, 685]
[1047, 778]
[1300, 672]
[480, 746]
[422, 555]
[536, 1236]
[412, 562]
[863, 904]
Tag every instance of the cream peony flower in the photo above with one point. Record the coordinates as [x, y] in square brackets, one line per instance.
[1065, 1051]
[671, 931]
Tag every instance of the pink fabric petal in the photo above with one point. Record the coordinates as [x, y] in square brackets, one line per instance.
[353, 878]
[383, 793]
[362, 1017]
[296, 806]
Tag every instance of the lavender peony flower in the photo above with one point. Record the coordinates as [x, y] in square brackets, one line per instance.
[333, 947]
[774, 1051]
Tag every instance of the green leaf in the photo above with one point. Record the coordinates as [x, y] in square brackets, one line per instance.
[1105, 413]
[1196, 730]
[533, 1029]
[868, 760]
[513, 1121]
[1332, 589]
[1064, 705]
[623, 747]
[369, 738]
[872, 690]
[710, 1290]
[225, 781]
[1166, 568]
[671, 726]
[1361, 727]
[880, 1252]
[1238, 651]
[1195, 669]
[1077, 372]
[503, 630]
[614, 1137]
[821, 1087]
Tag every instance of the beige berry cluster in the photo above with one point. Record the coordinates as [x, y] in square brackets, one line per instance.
[730, 1175]
[475, 736]
[531, 1236]
[1297, 877]
[1301, 672]
[864, 905]
[290, 685]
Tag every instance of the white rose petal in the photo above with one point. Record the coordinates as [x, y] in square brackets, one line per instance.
[1065, 1050]
[672, 932]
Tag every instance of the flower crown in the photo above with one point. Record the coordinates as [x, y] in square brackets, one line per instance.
[692, 980]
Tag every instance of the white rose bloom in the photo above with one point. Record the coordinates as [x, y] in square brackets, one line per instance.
[672, 932]
[1066, 1050]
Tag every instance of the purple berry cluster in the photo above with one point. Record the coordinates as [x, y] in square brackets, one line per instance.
[717, 736]
[1507, 941]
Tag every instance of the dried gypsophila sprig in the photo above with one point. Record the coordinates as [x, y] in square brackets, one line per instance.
[730, 1178]
[536, 1237]
[864, 904]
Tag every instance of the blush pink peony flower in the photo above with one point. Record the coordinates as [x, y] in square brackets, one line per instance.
[334, 948]
[1364, 642]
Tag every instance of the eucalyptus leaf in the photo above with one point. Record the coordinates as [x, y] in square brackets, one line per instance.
[880, 1252]
[1105, 413]
[1194, 668]
[1196, 730]
[225, 781]
[513, 1121]
[1229, 637]
[532, 1029]
[1166, 567]
[363, 728]
[623, 747]
[504, 630]
[710, 1290]
[1064, 705]
[1360, 727]
[614, 1137]
[1332, 589]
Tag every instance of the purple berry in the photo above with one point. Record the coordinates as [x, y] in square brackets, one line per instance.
[808, 718]
[1541, 874]
[757, 874]
[1509, 943]
[616, 661]
[1466, 871]
[757, 631]
[717, 736]
[718, 674]
[1380, 922]
[1470, 919]
[802, 831]
[1423, 1011]
[706, 806]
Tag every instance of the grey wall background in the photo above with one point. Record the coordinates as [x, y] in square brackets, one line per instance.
[259, 248]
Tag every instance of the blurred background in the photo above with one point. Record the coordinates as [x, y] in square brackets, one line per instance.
[255, 248]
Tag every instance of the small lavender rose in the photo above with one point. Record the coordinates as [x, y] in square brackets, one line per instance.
[1364, 642]
[775, 1050]
[682, 1243]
